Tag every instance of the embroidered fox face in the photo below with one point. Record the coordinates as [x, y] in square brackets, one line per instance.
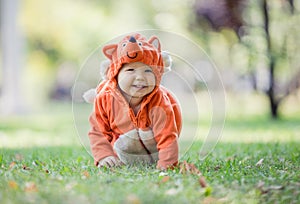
[134, 48]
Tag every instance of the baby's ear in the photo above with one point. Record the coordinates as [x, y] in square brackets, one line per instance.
[108, 50]
[155, 42]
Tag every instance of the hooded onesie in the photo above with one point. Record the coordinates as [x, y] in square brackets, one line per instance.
[150, 135]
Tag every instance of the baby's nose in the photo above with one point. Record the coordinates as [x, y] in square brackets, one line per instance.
[139, 76]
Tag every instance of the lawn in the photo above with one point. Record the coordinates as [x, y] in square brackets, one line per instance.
[257, 160]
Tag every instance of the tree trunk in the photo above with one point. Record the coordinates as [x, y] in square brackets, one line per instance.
[274, 103]
[11, 100]
[292, 6]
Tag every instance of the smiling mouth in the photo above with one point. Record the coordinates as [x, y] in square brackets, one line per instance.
[132, 57]
[139, 86]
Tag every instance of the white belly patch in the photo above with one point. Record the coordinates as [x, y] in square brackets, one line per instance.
[131, 147]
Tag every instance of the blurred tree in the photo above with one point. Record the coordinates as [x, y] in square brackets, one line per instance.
[65, 32]
[11, 96]
[277, 20]
[276, 93]
[221, 14]
[58, 33]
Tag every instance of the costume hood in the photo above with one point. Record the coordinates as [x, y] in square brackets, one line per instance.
[135, 48]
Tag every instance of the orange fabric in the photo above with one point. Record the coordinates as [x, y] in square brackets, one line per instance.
[159, 111]
[113, 117]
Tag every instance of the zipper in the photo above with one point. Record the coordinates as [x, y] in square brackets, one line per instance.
[135, 121]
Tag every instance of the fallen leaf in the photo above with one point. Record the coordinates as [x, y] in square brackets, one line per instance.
[202, 182]
[12, 184]
[165, 179]
[12, 164]
[186, 167]
[31, 187]
[172, 191]
[133, 199]
[86, 175]
[190, 168]
[259, 163]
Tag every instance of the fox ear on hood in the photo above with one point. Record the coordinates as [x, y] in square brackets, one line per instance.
[108, 50]
[155, 42]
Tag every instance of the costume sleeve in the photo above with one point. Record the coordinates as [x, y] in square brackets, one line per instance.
[99, 134]
[166, 130]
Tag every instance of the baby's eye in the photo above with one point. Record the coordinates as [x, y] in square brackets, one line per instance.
[129, 70]
[148, 70]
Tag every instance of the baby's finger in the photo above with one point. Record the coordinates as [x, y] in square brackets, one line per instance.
[105, 163]
[113, 162]
[102, 164]
[119, 162]
[110, 162]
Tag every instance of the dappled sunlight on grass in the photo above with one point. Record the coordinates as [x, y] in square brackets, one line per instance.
[246, 121]
[52, 127]
[30, 138]
[261, 130]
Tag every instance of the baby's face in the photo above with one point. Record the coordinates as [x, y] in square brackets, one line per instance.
[136, 79]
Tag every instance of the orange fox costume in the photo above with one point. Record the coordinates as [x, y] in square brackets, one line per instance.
[149, 136]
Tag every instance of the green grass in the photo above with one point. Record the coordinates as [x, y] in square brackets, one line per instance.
[42, 161]
[66, 175]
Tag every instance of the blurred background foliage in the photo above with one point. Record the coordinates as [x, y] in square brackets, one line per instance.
[255, 44]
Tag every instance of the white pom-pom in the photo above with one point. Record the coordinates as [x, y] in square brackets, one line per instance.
[90, 95]
[167, 61]
[103, 68]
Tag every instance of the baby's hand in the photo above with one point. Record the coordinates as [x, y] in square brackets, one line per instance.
[109, 162]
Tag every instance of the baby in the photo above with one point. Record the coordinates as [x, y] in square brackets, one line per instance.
[135, 119]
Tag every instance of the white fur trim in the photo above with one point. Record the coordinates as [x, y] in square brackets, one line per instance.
[103, 68]
[132, 134]
[130, 150]
[148, 139]
[127, 158]
[167, 61]
[146, 135]
[90, 95]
